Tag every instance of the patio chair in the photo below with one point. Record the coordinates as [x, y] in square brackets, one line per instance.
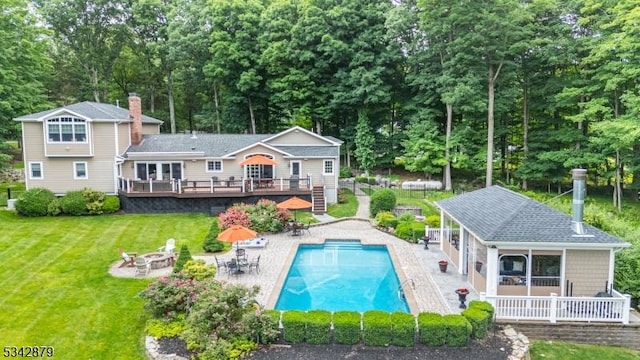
[142, 266]
[241, 254]
[305, 227]
[255, 264]
[221, 265]
[169, 247]
[233, 268]
[127, 258]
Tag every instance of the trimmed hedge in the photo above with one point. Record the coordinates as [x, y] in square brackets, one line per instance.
[74, 203]
[410, 231]
[480, 321]
[293, 326]
[318, 327]
[211, 242]
[403, 329]
[484, 306]
[346, 325]
[111, 204]
[183, 257]
[376, 328]
[432, 329]
[458, 330]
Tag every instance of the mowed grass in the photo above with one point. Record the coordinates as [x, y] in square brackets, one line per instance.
[558, 350]
[56, 290]
[348, 209]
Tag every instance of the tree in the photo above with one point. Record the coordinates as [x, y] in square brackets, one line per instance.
[94, 33]
[365, 142]
[25, 67]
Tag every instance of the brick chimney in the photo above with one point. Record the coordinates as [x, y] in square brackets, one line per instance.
[579, 177]
[135, 115]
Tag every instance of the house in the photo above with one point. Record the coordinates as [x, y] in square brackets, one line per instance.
[531, 261]
[119, 151]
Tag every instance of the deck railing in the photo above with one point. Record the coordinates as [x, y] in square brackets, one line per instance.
[561, 308]
[212, 185]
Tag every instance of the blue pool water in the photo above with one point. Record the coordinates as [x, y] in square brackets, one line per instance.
[342, 275]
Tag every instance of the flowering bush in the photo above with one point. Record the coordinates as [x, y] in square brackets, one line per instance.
[170, 296]
[198, 270]
[235, 215]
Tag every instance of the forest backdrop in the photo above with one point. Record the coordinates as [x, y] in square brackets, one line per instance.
[532, 88]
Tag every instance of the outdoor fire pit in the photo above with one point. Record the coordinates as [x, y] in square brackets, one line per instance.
[159, 260]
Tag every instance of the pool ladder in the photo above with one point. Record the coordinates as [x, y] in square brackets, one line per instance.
[402, 285]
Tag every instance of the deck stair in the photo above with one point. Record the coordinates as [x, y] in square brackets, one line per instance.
[319, 206]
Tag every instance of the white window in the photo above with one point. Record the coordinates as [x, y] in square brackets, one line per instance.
[327, 168]
[214, 165]
[80, 170]
[35, 170]
[66, 129]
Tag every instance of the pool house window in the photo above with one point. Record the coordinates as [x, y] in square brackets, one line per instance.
[327, 167]
[66, 129]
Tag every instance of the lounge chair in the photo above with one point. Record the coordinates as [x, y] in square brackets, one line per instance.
[127, 258]
[169, 247]
[260, 242]
[142, 266]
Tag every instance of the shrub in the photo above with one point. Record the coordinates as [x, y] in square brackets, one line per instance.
[382, 200]
[362, 179]
[55, 207]
[403, 329]
[183, 257]
[431, 329]
[162, 328]
[318, 324]
[410, 231]
[235, 215]
[433, 221]
[293, 326]
[74, 203]
[484, 306]
[376, 328]
[346, 325]
[458, 329]
[406, 218]
[34, 202]
[263, 325]
[342, 196]
[170, 296]
[198, 270]
[111, 204]
[345, 172]
[211, 242]
[386, 219]
[94, 200]
[264, 216]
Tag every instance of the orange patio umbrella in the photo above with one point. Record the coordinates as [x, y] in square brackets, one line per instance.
[294, 203]
[236, 233]
[258, 160]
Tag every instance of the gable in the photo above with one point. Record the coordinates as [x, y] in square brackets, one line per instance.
[299, 136]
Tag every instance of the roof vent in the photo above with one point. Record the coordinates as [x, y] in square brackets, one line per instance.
[579, 194]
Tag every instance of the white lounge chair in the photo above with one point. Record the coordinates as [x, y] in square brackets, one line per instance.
[169, 247]
[260, 242]
[142, 266]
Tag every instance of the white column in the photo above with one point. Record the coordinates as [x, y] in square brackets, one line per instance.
[441, 230]
[492, 271]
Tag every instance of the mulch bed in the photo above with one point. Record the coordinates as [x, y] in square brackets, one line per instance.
[493, 347]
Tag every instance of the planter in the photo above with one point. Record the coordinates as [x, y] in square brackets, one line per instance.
[462, 297]
[478, 266]
[443, 265]
[425, 241]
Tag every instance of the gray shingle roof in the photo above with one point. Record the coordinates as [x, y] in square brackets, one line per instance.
[91, 110]
[312, 151]
[501, 215]
[213, 145]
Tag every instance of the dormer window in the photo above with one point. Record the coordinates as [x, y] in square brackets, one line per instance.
[66, 129]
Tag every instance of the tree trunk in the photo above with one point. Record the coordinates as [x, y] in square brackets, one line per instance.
[490, 120]
[525, 128]
[217, 106]
[447, 152]
[172, 110]
[94, 84]
[251, 115]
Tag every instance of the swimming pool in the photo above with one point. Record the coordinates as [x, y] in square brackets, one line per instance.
[342, 275]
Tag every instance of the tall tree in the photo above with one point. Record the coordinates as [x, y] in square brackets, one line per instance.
[94, 31]
[365, 142]
[25, 66]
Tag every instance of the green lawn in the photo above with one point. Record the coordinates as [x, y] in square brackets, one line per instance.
[348, 209]
[558, 350]
[56, 289]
